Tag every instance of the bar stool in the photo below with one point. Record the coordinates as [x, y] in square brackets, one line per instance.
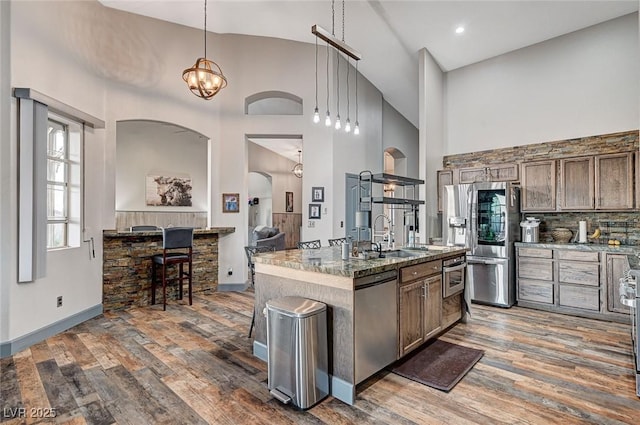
[337, 241]
[314, 244]
[173, 238]
[250, 251]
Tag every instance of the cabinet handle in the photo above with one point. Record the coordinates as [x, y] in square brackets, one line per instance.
[414, 273]
[425, 291]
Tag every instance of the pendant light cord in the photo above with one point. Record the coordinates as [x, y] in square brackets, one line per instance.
[316, 72]
[337, 83]
[205, 29]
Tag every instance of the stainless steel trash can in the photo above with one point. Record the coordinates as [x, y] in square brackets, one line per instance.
[297, 354]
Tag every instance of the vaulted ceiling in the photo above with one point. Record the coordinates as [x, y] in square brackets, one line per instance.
[390, 33]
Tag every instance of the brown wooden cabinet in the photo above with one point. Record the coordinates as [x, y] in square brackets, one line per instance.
[495, 172]
[614, 181]
[445, 177]
[637, 180]
[538, 184]
[572, 281]
[577, 187]
[601, 182]
[616, 265]
[420, 304]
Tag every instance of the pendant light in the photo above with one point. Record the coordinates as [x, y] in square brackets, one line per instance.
[297, 169]
[341, 47]
[205, 78]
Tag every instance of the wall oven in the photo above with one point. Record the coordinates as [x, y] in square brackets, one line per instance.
[630, 296]
[454, 271]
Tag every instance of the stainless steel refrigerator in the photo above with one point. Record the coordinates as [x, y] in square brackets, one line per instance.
[484, 217]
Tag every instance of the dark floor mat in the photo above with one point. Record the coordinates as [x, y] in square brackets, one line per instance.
[438, 364]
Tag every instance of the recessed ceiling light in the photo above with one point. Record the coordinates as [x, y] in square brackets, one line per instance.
[460, 30]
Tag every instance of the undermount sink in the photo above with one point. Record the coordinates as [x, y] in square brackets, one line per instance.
[398, 253]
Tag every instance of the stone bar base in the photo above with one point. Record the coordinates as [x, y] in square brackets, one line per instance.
[126, 271]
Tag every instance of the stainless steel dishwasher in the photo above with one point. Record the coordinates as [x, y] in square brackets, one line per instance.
[375, 323]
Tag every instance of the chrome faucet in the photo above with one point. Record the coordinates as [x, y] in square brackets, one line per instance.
[388, 234]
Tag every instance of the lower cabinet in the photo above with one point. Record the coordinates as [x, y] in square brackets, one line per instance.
[420, 304]
[582, 283]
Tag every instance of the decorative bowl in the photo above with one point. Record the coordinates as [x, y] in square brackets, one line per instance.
[561, 234]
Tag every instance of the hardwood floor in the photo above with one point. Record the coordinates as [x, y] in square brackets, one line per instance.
[193, 365]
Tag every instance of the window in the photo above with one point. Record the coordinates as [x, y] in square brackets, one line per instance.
[63, 184]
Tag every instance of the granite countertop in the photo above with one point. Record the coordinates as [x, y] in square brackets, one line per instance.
[198, 231]
[632, 251]
[329, 260]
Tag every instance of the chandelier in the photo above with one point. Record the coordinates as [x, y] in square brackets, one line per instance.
[297, 169]
[340, 47]
[204, 78]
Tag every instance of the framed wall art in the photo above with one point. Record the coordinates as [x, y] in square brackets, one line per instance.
[288, 202]
[314, 211]
[168, 191]
[317, 194]
[230, 202]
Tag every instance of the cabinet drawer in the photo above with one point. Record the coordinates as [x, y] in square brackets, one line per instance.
[535, 268]
[418, 271]
[579, 297]
[531, 290]
[535, 252]
[580, 273]
[563, 254]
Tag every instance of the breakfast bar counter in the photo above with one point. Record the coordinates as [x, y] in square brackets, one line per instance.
[126, 270]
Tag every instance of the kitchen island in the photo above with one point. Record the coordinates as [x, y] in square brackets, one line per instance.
[126, 267]
[321, 275]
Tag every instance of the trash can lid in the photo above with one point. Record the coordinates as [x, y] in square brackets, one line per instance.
[296, 306]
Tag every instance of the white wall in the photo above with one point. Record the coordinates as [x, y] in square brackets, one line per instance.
[399, 133]
[151, 149]
[580, 84]
[431, 95]
[260, 187]
[40, 59]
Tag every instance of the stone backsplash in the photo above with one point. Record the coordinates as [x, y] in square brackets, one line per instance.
[624, 226]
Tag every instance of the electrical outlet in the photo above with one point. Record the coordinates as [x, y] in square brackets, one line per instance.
[59, 301]
[312, 223]
[230, 271]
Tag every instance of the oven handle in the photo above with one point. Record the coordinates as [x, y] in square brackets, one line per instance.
[454, 268]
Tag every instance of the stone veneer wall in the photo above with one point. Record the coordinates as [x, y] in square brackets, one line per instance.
[624, 226]
[593, 145]
[127, 270]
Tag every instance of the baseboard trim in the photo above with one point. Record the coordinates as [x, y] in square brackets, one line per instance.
[9, 348]
[343, 390]
[231, 287]
[260, 350]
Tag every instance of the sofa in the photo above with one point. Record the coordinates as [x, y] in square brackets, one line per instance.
[268, 236]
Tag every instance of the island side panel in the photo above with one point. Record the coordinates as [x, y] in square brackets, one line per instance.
[339, 315]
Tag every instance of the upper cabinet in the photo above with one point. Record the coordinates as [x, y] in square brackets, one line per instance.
[602, 182]
[538, 182]
[577, 183]
[445, 177]
[614, 181]
[495, 173]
